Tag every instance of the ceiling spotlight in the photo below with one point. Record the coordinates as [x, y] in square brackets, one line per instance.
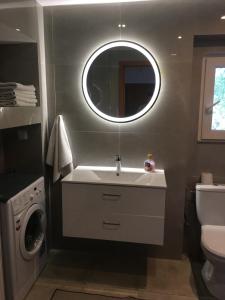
[17, 29]
[223, 17]
[173, 54]
[179, 37]
[122, 25]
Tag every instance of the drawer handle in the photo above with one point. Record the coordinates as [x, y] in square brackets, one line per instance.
[110, 197]
[111, 225]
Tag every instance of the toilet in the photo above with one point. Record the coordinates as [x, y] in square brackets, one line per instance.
[210, 206]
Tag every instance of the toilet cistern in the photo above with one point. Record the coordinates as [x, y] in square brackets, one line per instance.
[118, 164]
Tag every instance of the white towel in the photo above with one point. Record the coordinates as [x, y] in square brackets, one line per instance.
[22, 103]
[25, 95]
[26, 100]
[59, 154]
[21, 87]
[17, 86]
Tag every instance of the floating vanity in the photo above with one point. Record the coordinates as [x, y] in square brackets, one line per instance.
[98, 204]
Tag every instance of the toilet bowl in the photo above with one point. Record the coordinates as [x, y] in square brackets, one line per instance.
[213, 271]
[210, 205]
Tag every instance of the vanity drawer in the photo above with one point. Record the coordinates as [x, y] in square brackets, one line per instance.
[115, 227]
[106, 198]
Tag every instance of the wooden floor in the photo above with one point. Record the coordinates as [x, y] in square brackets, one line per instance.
[123, 276]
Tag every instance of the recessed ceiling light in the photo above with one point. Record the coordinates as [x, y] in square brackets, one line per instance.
[173, 54]
[223, 17]
[122, 25]
[17, 29]
[179, 37]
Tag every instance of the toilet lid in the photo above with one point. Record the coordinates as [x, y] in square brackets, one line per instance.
[213, 239]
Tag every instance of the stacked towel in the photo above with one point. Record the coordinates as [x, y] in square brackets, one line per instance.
[17, 94]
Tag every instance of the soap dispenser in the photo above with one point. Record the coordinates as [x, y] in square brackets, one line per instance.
[149, 163]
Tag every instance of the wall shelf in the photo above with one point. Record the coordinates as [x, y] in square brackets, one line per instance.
[19, 63]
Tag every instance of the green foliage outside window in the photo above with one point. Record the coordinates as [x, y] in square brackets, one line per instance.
[218, 118]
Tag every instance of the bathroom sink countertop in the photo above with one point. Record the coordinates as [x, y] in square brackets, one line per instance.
[13, 183]
[107, 175]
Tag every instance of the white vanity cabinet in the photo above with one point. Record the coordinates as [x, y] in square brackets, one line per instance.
[113, 212]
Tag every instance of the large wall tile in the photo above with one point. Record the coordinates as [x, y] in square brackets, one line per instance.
[169, 130]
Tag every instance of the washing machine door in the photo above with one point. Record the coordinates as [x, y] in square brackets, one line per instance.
[32, 231]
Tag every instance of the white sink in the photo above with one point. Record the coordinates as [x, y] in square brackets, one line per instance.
[107, 175]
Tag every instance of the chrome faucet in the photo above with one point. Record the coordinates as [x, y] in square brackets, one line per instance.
[118, 164]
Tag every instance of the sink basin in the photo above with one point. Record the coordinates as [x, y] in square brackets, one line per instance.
[107, 175]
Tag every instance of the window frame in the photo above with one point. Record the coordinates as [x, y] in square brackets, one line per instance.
[209, 64]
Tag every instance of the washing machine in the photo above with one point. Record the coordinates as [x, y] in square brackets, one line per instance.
[23, 219]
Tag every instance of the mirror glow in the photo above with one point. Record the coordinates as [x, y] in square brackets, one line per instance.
[150, 100]
[123, 169]
[79, 2]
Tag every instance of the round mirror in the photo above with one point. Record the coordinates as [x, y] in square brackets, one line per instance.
[121, 81]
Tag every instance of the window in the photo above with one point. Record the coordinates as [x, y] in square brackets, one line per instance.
[212, 105]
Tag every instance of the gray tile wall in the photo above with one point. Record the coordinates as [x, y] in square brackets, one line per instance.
[169, 129]
[21, 147]
[2, 164]
[19, 63]
[22, 16]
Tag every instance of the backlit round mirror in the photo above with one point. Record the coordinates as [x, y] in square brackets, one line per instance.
[121, 81]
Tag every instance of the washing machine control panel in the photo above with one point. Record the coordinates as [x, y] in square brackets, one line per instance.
[34, 193]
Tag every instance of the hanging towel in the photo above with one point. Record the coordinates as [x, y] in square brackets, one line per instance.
[59, 154]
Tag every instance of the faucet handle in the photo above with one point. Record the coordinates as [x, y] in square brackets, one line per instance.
[117, 157]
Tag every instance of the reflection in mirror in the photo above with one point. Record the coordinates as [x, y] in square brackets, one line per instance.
[137, 84]
[121, 83]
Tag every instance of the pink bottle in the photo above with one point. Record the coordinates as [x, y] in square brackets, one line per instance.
[149, 163]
